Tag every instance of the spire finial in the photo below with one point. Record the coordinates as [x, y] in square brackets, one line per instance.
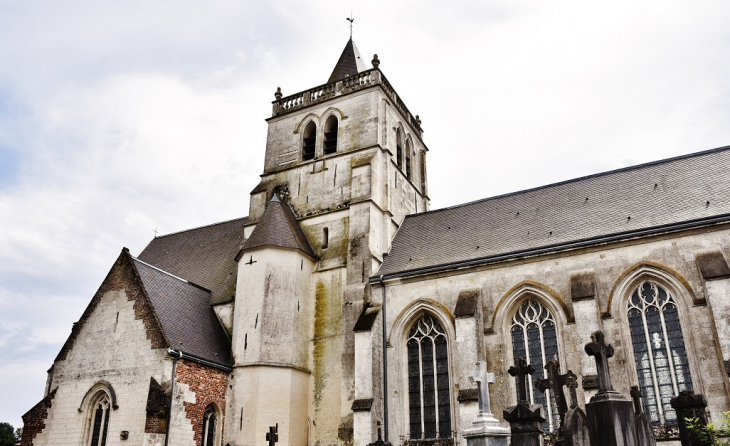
[350, 19]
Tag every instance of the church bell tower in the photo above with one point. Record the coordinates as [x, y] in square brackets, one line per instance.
[345, 163]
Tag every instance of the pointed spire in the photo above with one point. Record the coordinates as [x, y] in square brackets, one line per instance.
[278, 226]
[350, 63]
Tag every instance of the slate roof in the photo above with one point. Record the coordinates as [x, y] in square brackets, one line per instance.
[676, 190]
[350, 63]
[185, 315]
[205, 256]
[278, 226]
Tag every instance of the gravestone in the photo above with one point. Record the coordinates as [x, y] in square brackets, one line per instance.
[525, 419]
[379, 441]
[577, 430]
[554, 383]
[610, 414]
[644, 434]
[485, 430]
[689, 405]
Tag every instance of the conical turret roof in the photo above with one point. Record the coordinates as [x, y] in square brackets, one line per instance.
[279, 227]
[350, 63]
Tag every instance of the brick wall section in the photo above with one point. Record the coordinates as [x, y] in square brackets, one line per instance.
[155, 424]
[34, 421]
[123, 276]
[209, 385]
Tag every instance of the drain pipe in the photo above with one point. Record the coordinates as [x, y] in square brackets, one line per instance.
[173, 353]
[385, 369]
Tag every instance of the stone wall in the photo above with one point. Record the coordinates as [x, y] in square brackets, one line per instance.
[615, 270]
[203, 386]
[115, 345]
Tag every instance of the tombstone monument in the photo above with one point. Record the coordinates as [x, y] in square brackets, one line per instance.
[610, 414]
[525, 419]
[485, 430]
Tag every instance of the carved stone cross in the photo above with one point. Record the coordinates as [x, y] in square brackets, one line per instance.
[520, 371]
[555, 382]
[635, 393]
[572, 383]
[272, 436]
[483, 379]
[601, 351]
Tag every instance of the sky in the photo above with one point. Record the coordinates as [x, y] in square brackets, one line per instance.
[121, 118]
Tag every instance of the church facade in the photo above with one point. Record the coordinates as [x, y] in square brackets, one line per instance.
[341, 308]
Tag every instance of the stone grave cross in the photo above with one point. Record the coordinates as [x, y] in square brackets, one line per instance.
[272, 436]
[520, 370]
[555, 382]
[572, 383]
[483, 379]
[601, 351]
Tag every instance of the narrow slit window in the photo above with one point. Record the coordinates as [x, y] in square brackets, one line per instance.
[325, 238]
[309, 141]
[331, 126]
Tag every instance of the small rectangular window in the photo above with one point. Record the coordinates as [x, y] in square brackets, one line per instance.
[325, 238]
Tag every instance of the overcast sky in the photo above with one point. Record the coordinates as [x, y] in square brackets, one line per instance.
[118, 118]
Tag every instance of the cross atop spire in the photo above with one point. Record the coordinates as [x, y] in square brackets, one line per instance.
[350, 19]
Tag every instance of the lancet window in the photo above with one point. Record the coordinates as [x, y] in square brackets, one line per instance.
[399, 148]
[309, 141]
[659, 350]
[429, 401]
[210, 420]
[99, 420]
[534, 338]
[330, 135]
[409, 149]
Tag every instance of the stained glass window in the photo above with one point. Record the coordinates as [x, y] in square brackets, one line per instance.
[100, 421]
[659, 351]
[429, 401]
[209, 426]
[535, 339]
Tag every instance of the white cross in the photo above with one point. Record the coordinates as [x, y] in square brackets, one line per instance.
[483, 379]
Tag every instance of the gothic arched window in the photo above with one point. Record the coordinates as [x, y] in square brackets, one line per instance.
[99, 419]
[429, 400]
[330, 135]
[659, 351]
[210, 422]
[309, 141]
[535, 339]
[399, 148]
[409, 149]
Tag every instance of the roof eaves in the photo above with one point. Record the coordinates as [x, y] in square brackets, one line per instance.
[725, 218]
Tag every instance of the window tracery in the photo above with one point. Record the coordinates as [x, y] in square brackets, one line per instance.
[99, 420]
[660, 355]
[210, 419]
[428, 380]
[534, 338]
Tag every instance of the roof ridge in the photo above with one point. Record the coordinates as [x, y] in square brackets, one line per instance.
[170, 274]
[201, 227]
[575, 180]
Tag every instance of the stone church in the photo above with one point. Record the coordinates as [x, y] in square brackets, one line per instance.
[342, 307]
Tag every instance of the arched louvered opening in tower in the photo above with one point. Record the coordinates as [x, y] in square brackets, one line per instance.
[409, 151]
[331, 126]
[399, 148]
[309, 141]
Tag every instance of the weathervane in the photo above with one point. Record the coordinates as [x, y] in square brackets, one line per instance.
[350, 19]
